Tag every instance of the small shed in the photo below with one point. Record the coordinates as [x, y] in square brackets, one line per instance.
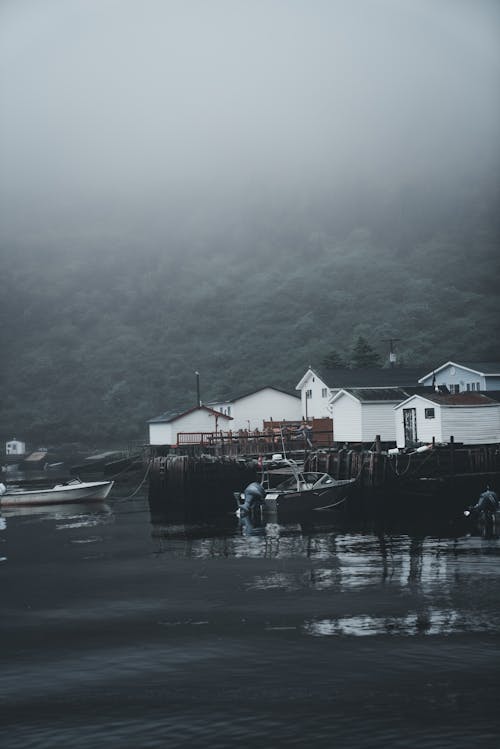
[359, 414]
[164, 429]
[470, 418]
[15, 447]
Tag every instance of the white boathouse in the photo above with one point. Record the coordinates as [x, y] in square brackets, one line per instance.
[470, 418]
[360, 414]
[165, 429]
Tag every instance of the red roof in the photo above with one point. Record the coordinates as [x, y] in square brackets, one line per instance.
[460, 399]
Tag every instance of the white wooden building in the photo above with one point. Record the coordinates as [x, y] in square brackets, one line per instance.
[317, 388]
[460, 377]
[164, 429]
[360, 414]
[15, 447]
[470, 418]
[249, 411]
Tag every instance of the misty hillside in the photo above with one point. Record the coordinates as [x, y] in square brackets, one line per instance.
[241, 189]
[103, 333]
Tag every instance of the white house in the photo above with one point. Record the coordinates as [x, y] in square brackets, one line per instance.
[164, 429]
[317, 388]
[360, 414]
[15, 447]
[471, 418]
[249, 411]
[465, 376]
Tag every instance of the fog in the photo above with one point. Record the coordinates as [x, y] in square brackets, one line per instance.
[143, 105]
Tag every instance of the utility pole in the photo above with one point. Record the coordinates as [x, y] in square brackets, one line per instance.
[392, 355]
[198, 388]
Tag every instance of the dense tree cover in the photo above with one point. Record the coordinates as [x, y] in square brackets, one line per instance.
[103, 327]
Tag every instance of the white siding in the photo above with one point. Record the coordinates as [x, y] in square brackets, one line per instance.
[15, 447]
[427, 429]
[161, 434]
[378, 418]
[199, 420]
[268, 404]
[347, 423]
[473, 425]
[315, 407]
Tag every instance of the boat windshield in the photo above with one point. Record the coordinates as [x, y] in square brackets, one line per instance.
[306, 480]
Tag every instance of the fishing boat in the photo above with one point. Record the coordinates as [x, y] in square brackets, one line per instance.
[70, 491]
[286, 488]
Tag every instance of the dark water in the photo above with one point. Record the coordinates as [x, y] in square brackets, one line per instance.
[117, 631]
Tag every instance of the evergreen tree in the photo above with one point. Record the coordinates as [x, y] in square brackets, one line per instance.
[332, 360]
[363, 355]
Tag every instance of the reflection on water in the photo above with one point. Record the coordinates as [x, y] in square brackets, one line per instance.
[306, 557]
[206, 632]
[92, 512]
[431, 621]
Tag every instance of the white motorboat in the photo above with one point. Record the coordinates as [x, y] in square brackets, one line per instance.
[70, 491]
[285, 487]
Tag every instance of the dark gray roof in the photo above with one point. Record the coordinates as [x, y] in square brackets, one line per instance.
[169, 416]
[390, 394]
[166, 417]
[487, 368]
[481, 367]
[252, 392]
[368, 377]
[492, 394]
[460, 399]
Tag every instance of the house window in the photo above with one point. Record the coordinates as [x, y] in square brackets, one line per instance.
[468, 386]
[324, 392]
[309, 393]
[473, 386]
[429, 413]
[454, 388]
[478, 386]
[229, 410]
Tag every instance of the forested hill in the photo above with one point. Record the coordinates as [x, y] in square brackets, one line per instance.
[104, 323]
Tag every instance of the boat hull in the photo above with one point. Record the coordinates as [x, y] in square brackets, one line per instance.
[294, 502]
[63, 493]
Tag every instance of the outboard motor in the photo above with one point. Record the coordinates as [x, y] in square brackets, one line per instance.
[252, 497]
[485, 509]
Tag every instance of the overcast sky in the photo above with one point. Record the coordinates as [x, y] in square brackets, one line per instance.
[103, 100]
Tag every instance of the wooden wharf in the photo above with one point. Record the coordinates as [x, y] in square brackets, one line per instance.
[455, 469]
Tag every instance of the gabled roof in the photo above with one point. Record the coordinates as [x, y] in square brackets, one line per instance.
[481, 368]
[266, 387]
[373, 395]
[169, 416]
[253, 392]
[378, 395]
[366, 377]
[468, 398]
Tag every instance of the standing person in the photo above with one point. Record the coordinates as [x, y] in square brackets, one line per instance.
[305, 431]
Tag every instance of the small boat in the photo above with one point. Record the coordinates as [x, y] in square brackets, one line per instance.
[287, 488]
[70, 491]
